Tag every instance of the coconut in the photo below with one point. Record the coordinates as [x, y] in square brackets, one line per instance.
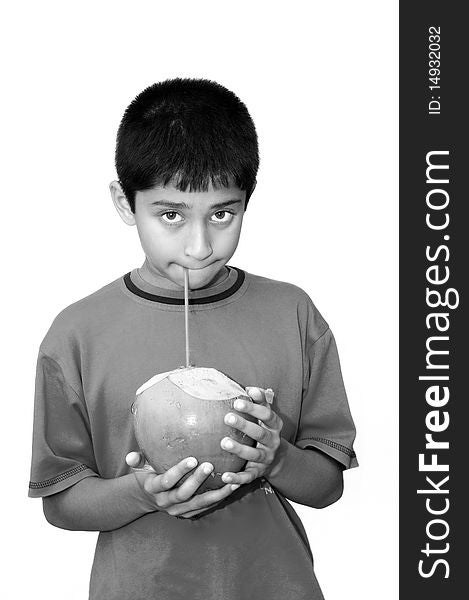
[181, 413]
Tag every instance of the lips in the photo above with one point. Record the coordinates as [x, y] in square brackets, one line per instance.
[198, 268]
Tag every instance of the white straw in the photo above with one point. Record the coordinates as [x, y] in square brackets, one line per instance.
[186, 313]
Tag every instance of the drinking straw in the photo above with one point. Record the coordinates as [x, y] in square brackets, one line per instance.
[186, 313]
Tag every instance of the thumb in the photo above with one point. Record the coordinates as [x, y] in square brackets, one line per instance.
[135, 460]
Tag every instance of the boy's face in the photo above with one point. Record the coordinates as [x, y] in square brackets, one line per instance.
[196, 230]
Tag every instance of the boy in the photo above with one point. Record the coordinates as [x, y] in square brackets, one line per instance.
[187, 159]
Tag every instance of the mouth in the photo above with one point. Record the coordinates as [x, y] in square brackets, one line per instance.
[198, 268]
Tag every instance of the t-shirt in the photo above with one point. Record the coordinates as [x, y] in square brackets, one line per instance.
[101, 349]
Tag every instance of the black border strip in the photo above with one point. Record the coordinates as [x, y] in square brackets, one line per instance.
[180, 301]
[433, 271]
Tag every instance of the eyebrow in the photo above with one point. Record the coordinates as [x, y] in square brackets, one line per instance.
[169, 204]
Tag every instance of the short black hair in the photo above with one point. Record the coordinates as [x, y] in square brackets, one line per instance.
[189, 132]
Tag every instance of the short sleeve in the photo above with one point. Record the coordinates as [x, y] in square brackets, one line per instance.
[62, 451]
[325, 422]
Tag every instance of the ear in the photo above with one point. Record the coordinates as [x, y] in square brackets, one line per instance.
[121, 203]
[249, 193]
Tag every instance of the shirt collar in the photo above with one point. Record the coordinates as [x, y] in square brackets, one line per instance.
[226, 288]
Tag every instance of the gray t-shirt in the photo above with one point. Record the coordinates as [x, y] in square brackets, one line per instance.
[101, 349]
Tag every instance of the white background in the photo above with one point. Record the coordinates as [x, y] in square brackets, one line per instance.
[320, 81]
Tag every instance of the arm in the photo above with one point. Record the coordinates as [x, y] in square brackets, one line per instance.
[95, 504]
[307, 476]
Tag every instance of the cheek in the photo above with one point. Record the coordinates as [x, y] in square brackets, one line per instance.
[155, 242]
[231, 240]
[225, 243]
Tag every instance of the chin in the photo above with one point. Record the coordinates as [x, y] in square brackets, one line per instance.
[202, 277]
[198, 281]
[197, 286]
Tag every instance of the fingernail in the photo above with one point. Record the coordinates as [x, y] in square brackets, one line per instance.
[227, 443]
[191, 462]
[235, 486]
[226, 478]
[231, 419]
[239, 404]
[208, 468]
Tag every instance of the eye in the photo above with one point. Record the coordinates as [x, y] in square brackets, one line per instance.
[223, 216]
[171, 217]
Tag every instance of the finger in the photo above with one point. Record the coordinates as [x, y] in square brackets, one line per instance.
[166, 481]
[202, 501]
[135, 460]
[256, 454]
[254, 431]
[188, 488]
[242, 477]
[256, 393]
[261, 395]
[191, 513]
[262, 412]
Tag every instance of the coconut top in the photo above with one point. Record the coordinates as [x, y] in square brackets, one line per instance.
[199, 382]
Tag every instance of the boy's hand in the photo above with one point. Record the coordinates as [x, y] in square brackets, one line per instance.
[264, 456]
[177, 500]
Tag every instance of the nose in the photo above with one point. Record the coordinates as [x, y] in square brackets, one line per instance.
[198, 244]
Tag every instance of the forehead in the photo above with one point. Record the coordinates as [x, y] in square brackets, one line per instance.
[170, 196]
